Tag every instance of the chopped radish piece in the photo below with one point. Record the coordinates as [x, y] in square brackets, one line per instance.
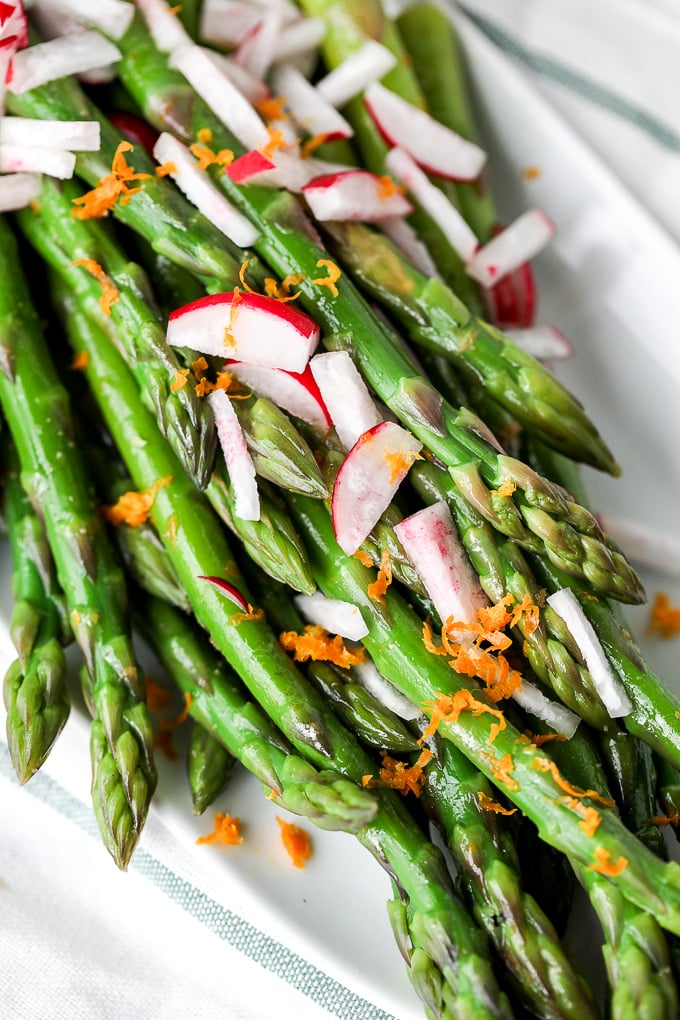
[254, 89]
[112, 17]
[256, 51]
[237, 457]
[387, 694]
[287, 12]
[77, 135]
[512, 301]
[557, 716]
[311, 111]
[295, 392]
[521, 241]
[251, 164]
[403, 236]
[70, 54]
[254, 328]
[433, 146]
[299, 39]
[167, 31]
[18, 191]
[543, 342]
[432, 543]
[345, 395]
[355, 195]
[13, 26]
[644, 545]
[333, 615]
[33, 159]
[221, 95]
[135, 129]
[99, 76]
[226, 23]
[228, 590]
[369, 476]
[610, 689]
[200, 190]
[430, 198]
[361, 69]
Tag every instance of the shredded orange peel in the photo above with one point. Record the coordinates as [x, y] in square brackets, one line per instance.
[110, 292]
[317, 644]
[399, 462]
[133, 508]
[447, 709]
[116, 185]
[227, 830]
[665, 618]
[545, 765]
[487, 804]
[334, 273]
[296, 841]
[378, 588]
[280, 292]
[604, 865]
[399, 775]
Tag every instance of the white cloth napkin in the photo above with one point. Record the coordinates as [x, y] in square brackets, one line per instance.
[177, 937]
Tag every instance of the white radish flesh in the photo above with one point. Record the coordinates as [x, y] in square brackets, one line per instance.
[334, 615]
[237, 457]
[345, 395]
[33, 159]
[544, 342]
[387, 694]
[76, 135]
[70, 54]
[167, 31]
[18, 191]
[559, 718]
[112, 17]
[299, 39]
[355, 195]
[522, 240]
[252, 88]
[295, 392]
[226, 23]
[312, 112]
[358, 71]
[256, 51]
[403, 236]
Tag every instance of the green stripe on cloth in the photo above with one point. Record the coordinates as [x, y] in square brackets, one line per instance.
[297, 972]
[584, 87]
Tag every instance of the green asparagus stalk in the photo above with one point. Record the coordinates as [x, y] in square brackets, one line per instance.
[36, 408]
[632, 777]
[35, 692]
[209, 767]
[669, 790]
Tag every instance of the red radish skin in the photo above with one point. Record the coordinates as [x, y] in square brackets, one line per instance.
[354, 195]
[517, 244]
[237, 457]
[367, 481]
[228, 590]
[248, 166]
[295, 392]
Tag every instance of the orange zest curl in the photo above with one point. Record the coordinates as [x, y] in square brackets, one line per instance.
[590, 822]
[539, 739]
[672, 818]
[165, 169]
[206, 157]
[398, 462]
[272, 108]
[252, 614]
[229, 339]
[363, 558]
[312, 144]
[180, 380]
[80, 361]
[100, 200]
[163, 742]
[665, 618]
[204, 136]
[447, 709]
[398, 775]
[545, 765]
[133, 508]
[110, 292]
[227, 830]
[604, 864]
[378, 588]
[277, 140]
[506, 488]
[529, 610]
[387, 188]
[316, 643]
[334, 274]
[173, 724]
[281, 291]
[296, 841]
[501, 769]
[487, 804]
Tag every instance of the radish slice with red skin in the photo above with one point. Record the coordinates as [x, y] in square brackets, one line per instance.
[547, 343]
[309, 108]
[135, 129]
[521, 241]
[358, 71]
[430, 198]
[198, 187]
[35, 159]
[558, 717]
[354, 195]
[404, 237]
[345, 395]
[610, 689]
[251, 88]
[76, 135]
[334, 615]
[167, 31]
[299, 39]
[237, 457]
[387, 694]
[226, 23]
[644, 545]
[287, 12]
[251, 164]
[432, 145]
[18, 190]
[367, 480]
[432, 543]
[222, 96]
[256, 51]
[228, 590]
[112, 17]
[13, 25]
[295, 392]
[264, 331]
[69, 54]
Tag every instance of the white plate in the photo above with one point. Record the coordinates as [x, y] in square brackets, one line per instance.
[606, 284]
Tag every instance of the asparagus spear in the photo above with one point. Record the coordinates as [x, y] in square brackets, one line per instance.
[35, 692]
[209, 767]
[36, 408]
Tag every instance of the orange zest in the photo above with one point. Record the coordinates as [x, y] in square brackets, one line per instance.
[163, 742]
[180, 380]
[317, 644]
[272, 108]
[672, 818]
[312, 144]
[252, 614]
[487, 804]
[363, 558]
[116, 185]
[334, 274]
[398, 462]
[133, 508]
[545, 765]
[539, 739]
[206, 157]
[387, 188]
[165, 169]
[281, 291]
[80, 361]
[173, 724]
[277, 140]
[296, 841]
[665, 618]
[604, 864]
[110, 292]
[590, 822]
[378, 588]
[227, 830]
[447, 709]
[229, 339]
[398, 775]
[531, 173]
[157, 696]
[506, 488]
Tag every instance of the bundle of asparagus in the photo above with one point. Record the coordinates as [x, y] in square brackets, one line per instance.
[253, 493]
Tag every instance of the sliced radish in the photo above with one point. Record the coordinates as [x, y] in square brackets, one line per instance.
[77, 135]
[18, 191]
[13, 25]
[167, 31]
[644, 545]
[295, 392]
[512, 301]
[287, 12]
[430, 198]
[354, 195]
[112, 17]
[226, 23]
[33, 159]
[433, 146]
[521, 241]
[311, 111]
[135, 129]
[367, 480]
[333, 615]
[432, 543]
[361, 69]
[70, 54]
[544, 342]
[299, 39]
[237, 457]
[345, 395]
[387, 694]
[251, 165]
[557, 716]
[606, 683]
[252, 88]
[256, 51]
[228, 590]
[221, 95]
[257, 329]
[404, 237]
[200, 190]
